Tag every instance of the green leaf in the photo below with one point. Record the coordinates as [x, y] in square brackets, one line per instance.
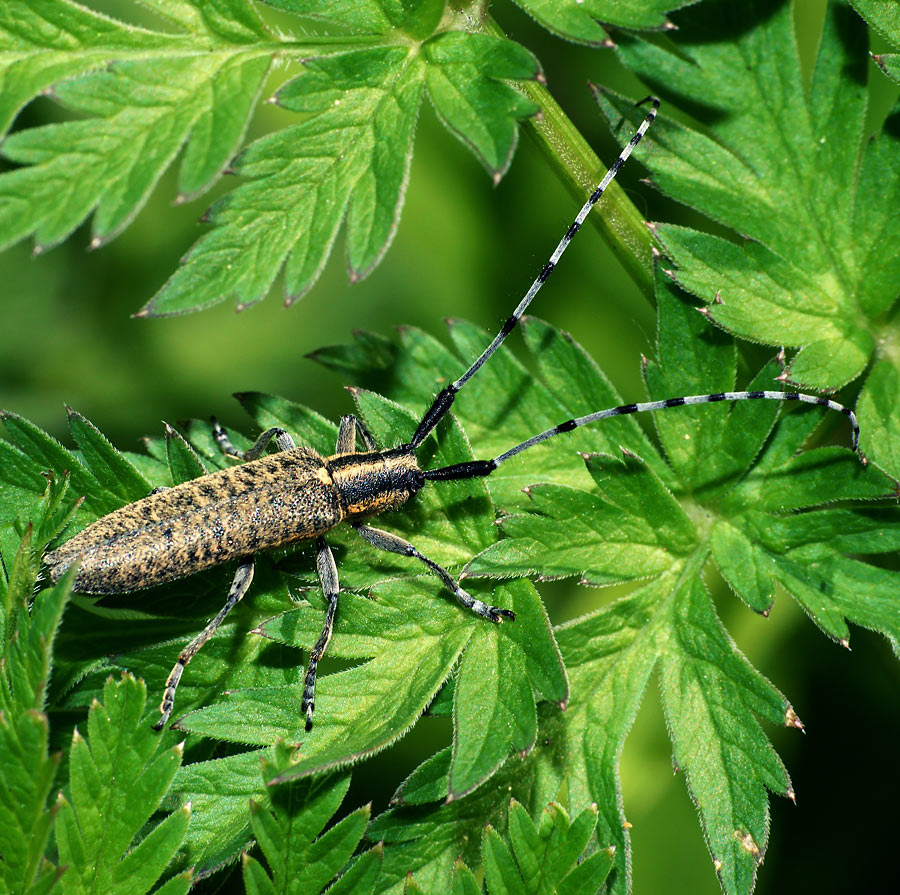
[739, 483]
[45, 453]
[884, 18]
[113, 472]
[750, 490]
[98, 823]
[466, 82]
[29, 769]
[494, 689]
[710, 695]
[145, 95]
[581, 19]
[792, 172]
[360, 109]
[287, 832]
[184, 464]
[879, 415]
[141, 116]
[219, 792]
[544, 858]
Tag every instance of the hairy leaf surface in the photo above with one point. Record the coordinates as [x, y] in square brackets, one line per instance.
[810, 196]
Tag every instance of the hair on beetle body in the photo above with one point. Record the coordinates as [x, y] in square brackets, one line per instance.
[296, 494]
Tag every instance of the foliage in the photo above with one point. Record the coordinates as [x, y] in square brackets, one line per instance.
[812, 198]
[732, 492]
[802, 207]
[116, 777]
[286, 831]
[190, 83]
[544, 857]
[885, 18]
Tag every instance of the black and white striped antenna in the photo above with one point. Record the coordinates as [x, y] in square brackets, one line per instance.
[446, 396]
[475, 468]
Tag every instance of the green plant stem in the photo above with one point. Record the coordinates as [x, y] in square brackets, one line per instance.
[620, 223]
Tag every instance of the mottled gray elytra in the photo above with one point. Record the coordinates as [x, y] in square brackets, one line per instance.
[295, 495]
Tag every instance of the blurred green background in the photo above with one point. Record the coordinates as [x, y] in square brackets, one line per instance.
[465, 249]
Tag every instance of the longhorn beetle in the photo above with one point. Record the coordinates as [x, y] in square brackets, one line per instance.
[295, 495]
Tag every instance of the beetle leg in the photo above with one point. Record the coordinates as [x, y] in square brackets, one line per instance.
[239, 587]
[384, 540]
[254, 452]
[346, 440]
[328, 575]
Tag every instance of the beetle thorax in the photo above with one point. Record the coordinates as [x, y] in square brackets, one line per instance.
[375, 481]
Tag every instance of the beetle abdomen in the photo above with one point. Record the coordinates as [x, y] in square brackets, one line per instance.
[233, 513]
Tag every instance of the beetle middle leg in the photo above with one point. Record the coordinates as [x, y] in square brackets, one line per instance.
[384, 540]
[328, 575]
[239, 587]
[283, 441]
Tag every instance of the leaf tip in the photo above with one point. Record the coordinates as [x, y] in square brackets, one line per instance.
[95, 243]
[791, 719]
[845, 643]
[748, 843]
[789, 792]
[717, 299]
[704, 311]
[627, 824]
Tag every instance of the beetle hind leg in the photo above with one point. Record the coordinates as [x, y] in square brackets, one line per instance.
[239, 587]
[328, 575]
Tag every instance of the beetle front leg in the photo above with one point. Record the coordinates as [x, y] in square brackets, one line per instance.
[384, 540]
[328, 575]
[239, 587]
